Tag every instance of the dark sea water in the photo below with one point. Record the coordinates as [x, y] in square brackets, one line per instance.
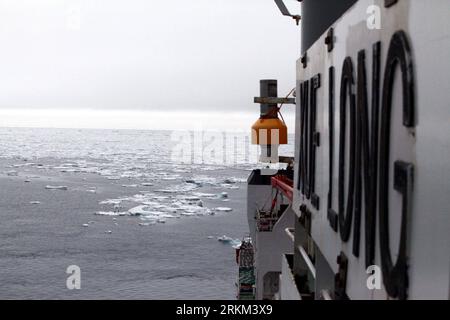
[139, 224]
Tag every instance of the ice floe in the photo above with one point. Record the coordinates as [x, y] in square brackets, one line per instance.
[235, 243]
[229, 186]
[12, 173]
[67, 169]
[48, 187]
[130, 185]
[182, 190]
[223, 209]
[111, 213]
[206, 195]
[152, 206]
[178, 188]
[111, 201]
[147, 223]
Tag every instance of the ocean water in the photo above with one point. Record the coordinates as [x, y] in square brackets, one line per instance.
[139, 212]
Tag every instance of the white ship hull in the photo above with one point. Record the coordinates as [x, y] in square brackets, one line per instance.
[369, 189]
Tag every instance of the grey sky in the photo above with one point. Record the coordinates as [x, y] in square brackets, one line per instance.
[143, 54]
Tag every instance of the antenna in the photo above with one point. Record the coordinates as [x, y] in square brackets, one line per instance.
[284, 10]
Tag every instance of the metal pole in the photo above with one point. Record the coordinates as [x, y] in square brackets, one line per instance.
[268, 89]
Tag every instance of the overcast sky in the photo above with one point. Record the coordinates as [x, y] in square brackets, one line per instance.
[139, 56]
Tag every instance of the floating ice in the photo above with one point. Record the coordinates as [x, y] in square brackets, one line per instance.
[111, 201]
[147, 223]
[229, 186]
[202, 180]
[12, 173]
[35, 202]
[180, 188]
[104, 172]
[227, 240]
[85, 225]
[192, 181]
[141, 163]
[149, 212]
[234, 180]
[160, 198]
[179, 170]
[111, 213]
[189, 198]
[188, 214]
[56, 187]
[139, 210]
[210, 168]
[168, 216]
[69, 164]
[223, 209]
[224, 238]
[205, 195]
[67, 168]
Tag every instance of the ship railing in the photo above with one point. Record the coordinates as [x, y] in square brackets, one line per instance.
[284, 185]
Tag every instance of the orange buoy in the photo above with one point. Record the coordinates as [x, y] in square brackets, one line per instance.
[270, 131]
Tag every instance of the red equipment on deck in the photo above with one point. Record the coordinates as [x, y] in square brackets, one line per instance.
[284, 185]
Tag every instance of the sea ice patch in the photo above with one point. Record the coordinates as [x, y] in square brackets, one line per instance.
[48, 187]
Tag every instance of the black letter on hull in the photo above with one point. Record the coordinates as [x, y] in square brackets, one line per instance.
[332, 215]
[347, 90]
[361, 134]
[314, 142]
[303, 167]
[366, 155]
[371, 164]
[396, 276]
